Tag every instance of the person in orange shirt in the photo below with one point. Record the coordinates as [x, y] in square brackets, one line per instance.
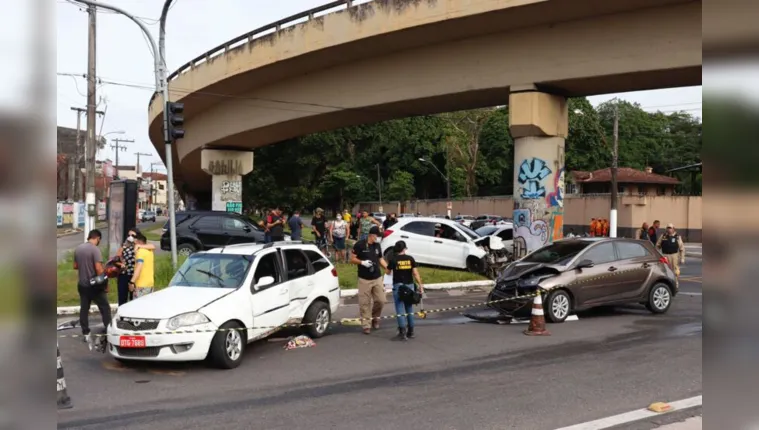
[593, 226]
[599, 231]
[605, 227]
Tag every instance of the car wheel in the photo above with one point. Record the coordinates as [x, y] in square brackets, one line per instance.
[659, 298]
[558, 306]
[318, 318]
[475, 265]
[228, 346]
[186, 249]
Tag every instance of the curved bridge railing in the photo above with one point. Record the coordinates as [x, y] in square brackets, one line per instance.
[252, 35]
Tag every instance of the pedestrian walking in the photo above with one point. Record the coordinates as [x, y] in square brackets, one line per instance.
[92, 285]
[126, 256]
[276, 225]
[365, 225]
[367, 255]
[404, 271]
[338, 230]
[653, 232]
[671, 245]
[143, 279]
[296, 226]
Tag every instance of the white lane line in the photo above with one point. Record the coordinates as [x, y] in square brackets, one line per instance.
[637, 415]
[691, 294]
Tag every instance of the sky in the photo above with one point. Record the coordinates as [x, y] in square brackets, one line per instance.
[193, 27]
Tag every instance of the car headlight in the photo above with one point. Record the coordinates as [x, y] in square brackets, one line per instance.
[188, 319]
[530, 282]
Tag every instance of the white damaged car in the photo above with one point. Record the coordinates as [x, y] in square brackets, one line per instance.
[248, 290]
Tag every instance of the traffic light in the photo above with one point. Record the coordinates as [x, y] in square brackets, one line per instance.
[176, 120]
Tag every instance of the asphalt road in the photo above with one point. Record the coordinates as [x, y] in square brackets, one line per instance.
[457, 374]
[68, 243]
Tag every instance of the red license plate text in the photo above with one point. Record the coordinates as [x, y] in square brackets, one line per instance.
[132, 341]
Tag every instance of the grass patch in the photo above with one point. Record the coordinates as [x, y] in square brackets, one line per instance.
[347, 275]
[153, 235]
[68, 294]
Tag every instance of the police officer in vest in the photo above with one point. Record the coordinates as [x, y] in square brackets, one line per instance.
[671, 245]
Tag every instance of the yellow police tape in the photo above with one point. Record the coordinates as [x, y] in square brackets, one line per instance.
[353, 321]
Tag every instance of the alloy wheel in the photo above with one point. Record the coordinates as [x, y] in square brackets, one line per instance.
[234, 345]
[661, 298]
[322, 321]
[560, 306]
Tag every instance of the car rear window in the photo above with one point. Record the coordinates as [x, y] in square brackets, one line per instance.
[487, 230]
[317, 260]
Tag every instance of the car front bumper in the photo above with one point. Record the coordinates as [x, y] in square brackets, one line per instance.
[509, 303]
[164, 346]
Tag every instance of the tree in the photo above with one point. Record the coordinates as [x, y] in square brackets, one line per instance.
[463, 130]
[401, 186]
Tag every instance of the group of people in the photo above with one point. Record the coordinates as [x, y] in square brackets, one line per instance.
[132, 266]
[599, 227]
[670, 243]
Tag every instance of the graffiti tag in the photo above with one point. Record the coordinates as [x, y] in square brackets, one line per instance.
[556, 198]
[532, 171]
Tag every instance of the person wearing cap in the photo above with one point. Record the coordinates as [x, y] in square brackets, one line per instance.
[404, 270]
[671, 245]
[367, 255]
[319, 227]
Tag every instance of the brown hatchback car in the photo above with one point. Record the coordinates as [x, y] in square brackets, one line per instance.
[582, 273]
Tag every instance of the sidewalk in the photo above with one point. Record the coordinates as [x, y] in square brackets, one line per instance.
[693, 423]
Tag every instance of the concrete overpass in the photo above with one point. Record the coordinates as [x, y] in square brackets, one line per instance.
[394, 58]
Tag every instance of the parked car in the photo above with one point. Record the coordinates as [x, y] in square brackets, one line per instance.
[254, 286]
[379, 216]
[147, 216]
[504, 230]
[406, 215]
[443, 242]
[465, 220]
[483, 220]
[204, 230]
[582, 273]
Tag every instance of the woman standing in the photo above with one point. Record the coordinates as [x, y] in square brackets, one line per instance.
[404, 270]
[338, 230]
[126, 254]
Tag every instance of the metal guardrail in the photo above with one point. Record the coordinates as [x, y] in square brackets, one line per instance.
[250, 36]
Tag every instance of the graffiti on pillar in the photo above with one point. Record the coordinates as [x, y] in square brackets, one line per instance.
[234, 207]
[556, 198]
[529, 233]
[231, 190]
[225, 167]
[532, 173]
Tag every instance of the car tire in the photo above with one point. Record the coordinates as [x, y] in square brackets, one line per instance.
[475, 265]
[186, 249]
[659, 298]
[318, 317]
[228, 346]
[558, 306]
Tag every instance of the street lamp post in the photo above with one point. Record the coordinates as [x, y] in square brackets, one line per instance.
[377, 186]
[447, 182]
[161, 86]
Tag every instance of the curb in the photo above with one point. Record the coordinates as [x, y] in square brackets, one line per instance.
[74, 310]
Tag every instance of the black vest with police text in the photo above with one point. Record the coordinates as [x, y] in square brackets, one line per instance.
[669, 244]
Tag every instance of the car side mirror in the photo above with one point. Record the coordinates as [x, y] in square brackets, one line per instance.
[264, 282]
[584, 264]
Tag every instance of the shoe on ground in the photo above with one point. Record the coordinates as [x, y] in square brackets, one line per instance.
[402, 334]
[86, 338]
[410, 333]
[375, 325]
[367, 331]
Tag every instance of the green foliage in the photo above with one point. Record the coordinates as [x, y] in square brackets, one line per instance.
[338, 168]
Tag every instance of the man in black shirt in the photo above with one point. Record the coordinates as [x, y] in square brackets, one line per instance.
[389, 221]
[367, 255]
[403, 268]
[319, 227]
[276, 225]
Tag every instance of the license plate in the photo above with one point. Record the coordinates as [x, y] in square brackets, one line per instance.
[132, 341]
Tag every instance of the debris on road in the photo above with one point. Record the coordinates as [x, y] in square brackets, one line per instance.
[301, 341]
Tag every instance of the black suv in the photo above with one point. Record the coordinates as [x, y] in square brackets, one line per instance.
[202, 230]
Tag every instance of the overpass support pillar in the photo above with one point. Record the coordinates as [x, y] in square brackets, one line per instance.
[226, 168]
[538, 122]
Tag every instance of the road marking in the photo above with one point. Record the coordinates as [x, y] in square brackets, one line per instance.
[691, 294]
[636, 415]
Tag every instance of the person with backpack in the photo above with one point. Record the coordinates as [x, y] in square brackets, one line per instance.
[404, 271]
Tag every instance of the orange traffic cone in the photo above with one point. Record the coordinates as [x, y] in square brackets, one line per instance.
[537, 319]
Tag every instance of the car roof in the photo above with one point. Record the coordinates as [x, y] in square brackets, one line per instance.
[428, 219]
[252, 248]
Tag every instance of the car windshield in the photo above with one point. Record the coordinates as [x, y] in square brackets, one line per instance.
[212, 271]
[486, 231]
[469, 232]
[559, 253]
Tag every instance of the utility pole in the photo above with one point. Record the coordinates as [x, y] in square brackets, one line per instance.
[151, 197]
[76, 180]
[614, 166]
[118, 148]
[138, 168]
[91, 148]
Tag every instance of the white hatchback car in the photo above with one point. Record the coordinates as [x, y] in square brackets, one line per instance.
[252, 289]
[449, 245]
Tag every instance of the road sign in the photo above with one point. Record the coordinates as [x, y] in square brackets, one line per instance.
[449, 205]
